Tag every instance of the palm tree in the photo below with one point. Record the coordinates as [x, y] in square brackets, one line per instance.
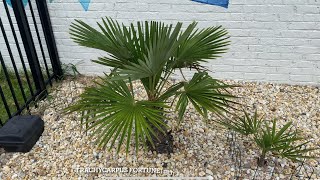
[148, 52]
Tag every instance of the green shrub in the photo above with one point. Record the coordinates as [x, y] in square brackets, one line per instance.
[285, 142]
[150, 53]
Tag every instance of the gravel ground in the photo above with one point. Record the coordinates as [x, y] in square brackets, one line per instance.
[200, 149]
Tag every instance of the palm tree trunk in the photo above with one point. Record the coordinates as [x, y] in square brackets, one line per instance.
[163, 143]
[262, 160]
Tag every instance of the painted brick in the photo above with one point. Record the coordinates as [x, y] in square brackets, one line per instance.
[271, 40]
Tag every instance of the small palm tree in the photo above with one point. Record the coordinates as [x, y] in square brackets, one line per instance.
[148, 52]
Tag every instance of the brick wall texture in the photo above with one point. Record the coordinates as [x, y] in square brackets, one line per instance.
[271, 40]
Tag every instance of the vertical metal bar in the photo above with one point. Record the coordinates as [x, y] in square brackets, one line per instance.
[9, 82]
[49, 36]
[12, 61]
[5, 104]
[40, 43]
[28, 43]
[18, 47]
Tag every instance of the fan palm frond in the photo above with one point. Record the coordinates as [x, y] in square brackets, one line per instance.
[244, 125]
[201, 46]
[205, 94]
[116, 116]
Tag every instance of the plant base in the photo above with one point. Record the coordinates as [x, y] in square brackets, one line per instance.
[163, 143]
[262, 162]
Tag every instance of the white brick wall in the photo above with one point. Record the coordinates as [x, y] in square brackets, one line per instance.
[272, 40]
[3, 48]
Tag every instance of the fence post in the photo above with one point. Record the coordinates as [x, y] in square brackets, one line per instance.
[49, 36]
[28, 44]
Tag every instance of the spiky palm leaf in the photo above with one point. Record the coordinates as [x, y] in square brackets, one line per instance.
[205, 94]
[150, 51]
[115, 115]
[201, 46]
[244, 125]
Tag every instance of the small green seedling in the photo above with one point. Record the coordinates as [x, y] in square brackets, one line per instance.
[244, 125]
[285, 142]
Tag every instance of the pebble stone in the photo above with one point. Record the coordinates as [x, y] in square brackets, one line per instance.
[201, 148]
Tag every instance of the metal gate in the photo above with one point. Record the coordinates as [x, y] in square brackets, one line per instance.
[28, 55]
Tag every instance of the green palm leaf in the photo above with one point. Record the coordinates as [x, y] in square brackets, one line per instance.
[112, 40]
[205, 94]
[146, 50]
[199, 46]
[244, 125]
[114, 114]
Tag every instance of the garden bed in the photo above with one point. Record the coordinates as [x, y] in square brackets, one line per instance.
[205, 150]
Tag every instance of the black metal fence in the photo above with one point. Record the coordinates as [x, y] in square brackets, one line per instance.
[28, 56]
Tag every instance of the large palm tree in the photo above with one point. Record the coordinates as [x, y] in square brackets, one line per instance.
[148, 52]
